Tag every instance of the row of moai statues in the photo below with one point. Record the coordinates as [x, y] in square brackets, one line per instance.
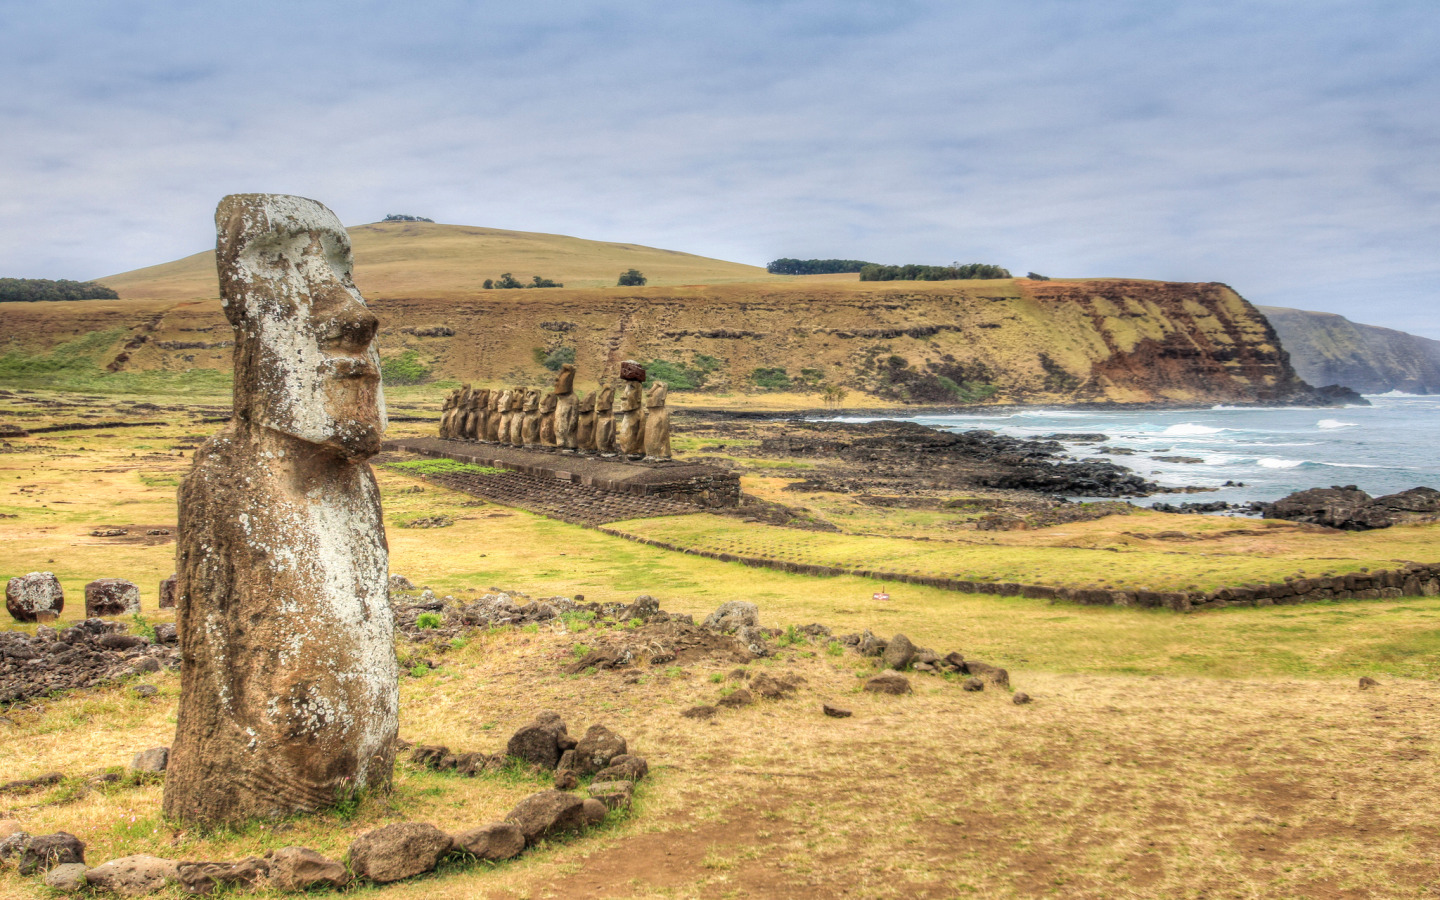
[558, 420]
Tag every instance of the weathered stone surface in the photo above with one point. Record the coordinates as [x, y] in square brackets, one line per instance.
[888, 683]
[289, 692]
[764, 685]
[153, 760]
[42, 852]
[605, 421]
[1354, 510]
[302, 869]
[567, 409]
[736, 699]
[624, 768]
[547, 419]
[869, 644]
[167, 593]
[597, 748]
[753, 639]
[835, 712]
[993, 674]
[67, 877]
[585, 425]
[614, 794]
[592, 812]
[530, 423]
[501, 840]
[111, 597]
[732, 615]
[566, 779]
[401, 850]
[34, 597]
[1366, 683]
[630, 421]
[206, 877]
[1020, 699]
[699, 712]
[973, 684]
[537, 744]
[133, 876]
[657, 422]
[545, 813]
[630, 370]
[899, 652]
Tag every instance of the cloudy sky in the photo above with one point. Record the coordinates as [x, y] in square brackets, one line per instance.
[1291, 150]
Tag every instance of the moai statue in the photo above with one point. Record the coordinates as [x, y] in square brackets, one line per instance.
[492, 418]
[657, 423]
[517, 417]
[567, 409]
[585, 425]
[530, 434]
[289, 693]
[481, 405]
[447, 414]
[466, 420]
[502, 430]
[630, 421]
[605, 421]
[547, 420]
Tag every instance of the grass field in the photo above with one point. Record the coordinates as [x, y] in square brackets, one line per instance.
[1218, 754]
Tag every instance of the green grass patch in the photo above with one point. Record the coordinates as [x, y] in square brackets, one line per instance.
[444, 467]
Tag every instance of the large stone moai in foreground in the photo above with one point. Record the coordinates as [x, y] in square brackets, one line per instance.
[289, 687]
[476, 431]
[630, 418]
[567, 409]
[657, 422]
[547, 420]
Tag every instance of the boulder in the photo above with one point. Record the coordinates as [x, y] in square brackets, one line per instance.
[566, 780]
[34, 597]
[592, 812]
[1020, 699]
[400, 583]
[166, 633]
[111, 597]
[993, 674]
[973, 684]
[206, 877]
[66, 877]
[428, 755]
[1366, 683]
[167, 593]
[133, 876]
[869, 644]
[753, 639]
[614, 794]
[835, 712]
[12, 845]
[899, 653]
[888, 683]
[624, 768]
[732, 615]
[43, 852]
[302, 869]
[152, 760]
[537, 744]
[545, 813]
[400, 850]
[594, 751]
[501, 840]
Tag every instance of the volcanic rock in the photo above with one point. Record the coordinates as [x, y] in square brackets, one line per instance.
[545, 813]
[34, 597]
[400, 850]
[111, 597]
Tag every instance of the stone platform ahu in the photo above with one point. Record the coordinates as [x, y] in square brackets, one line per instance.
[289, 689]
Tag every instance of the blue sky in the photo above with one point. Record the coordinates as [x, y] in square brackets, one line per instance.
[1291, 150]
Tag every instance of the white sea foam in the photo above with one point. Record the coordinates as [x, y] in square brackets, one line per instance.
[1334, 423]
[1185, 428]
[1272, 462]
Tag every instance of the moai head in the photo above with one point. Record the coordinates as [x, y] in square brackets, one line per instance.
[496, 399]
[547, 402]
[482, 399]
[587, 403]
[305, 358]
[656, 395]
[605, 398]
[507, 401]
[532, 400]
[630, 398]
[517, 399]
[449, 402]
[565, 381]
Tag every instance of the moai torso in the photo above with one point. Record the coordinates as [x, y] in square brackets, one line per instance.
[482, 413]
[567, 409]
[547, 420]
[585, 425]
[492, 417]
[530, 435]
[605, 421]
[657, 422]
[630, 421]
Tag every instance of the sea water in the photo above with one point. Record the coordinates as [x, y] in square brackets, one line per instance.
[1391, 445]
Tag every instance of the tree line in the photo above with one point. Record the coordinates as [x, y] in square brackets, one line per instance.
[33, 290]
[912, 272]
[789, 266]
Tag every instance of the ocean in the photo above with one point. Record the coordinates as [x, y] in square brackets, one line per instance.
[1391, 445]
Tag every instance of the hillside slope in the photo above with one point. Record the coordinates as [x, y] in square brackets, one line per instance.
[946, 343]
[1329, 349]
[396, 259]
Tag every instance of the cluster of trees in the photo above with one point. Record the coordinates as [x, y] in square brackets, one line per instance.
[789, 266]
[508, 281]
[554, 359]
[32, 290]
[912, 272]
[631, 278]
[399, 217]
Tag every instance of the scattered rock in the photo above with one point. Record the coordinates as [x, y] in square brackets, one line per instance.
[501, 840]
[1366, 683]
[66, 877]
[592, 812]
[597, 748]
[167, 591]
[537, 744]
[753, 639]
[399, 583]
[899, 652]
[565, 779]
[730, 616]
[144, 690]
[993, 674]
[738, 675]
[1020, 699]
[1354, 510]
[614, 794]
[133, 876]
[152, 760]
[869, 644]
[302, 869]
[769, 688]
[737, 699]
[34, 597]
[205, 877]
[973, 684]
[397, 851]
[545, 813]
[835, 712]
[700, 712]
[111, 597]
[624, 768]
[46, 851]
[888, 683]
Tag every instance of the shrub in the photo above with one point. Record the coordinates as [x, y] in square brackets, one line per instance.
[834, 648]
[404, 369]
[429, 620]
[1035, 276]
[771, 379]
[554, 359]
[507, 281]
[631, 278]
[31, 290]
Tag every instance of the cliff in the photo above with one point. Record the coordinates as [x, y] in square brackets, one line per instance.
[943, 343]
[1329, 349]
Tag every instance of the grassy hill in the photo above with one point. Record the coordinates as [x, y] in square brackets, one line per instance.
[421, 259]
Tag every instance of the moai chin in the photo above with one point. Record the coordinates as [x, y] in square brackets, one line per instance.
[630, 421]
[289, 687]
[567, 410]
[547, 420]
[657, 422]
[585, 425]
[605, 421]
